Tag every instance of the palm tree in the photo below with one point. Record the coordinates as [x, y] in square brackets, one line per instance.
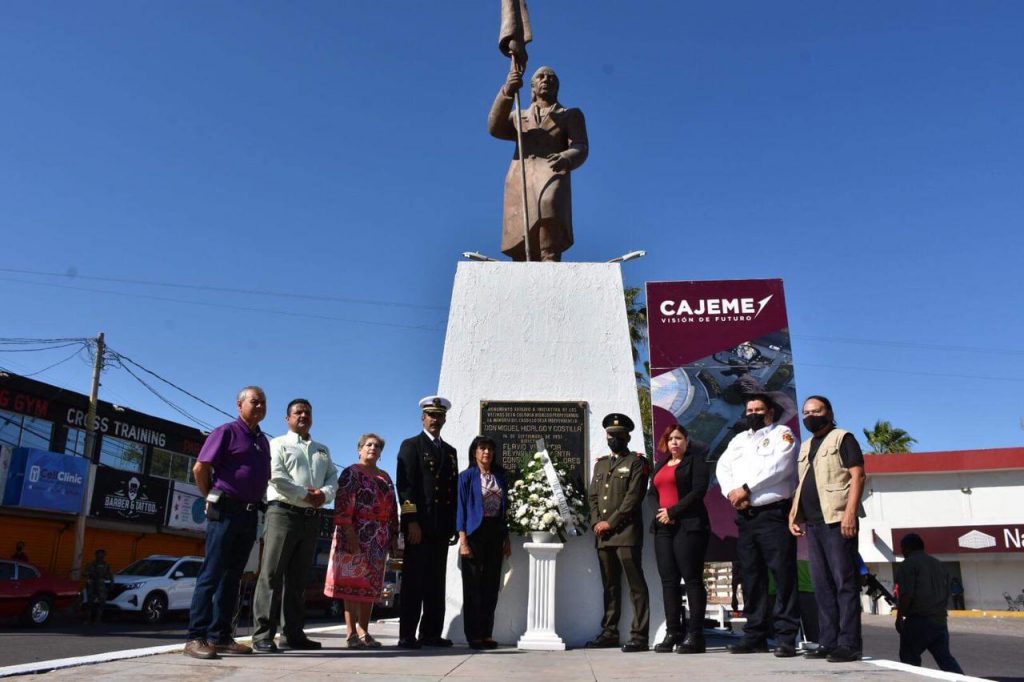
[636, 317]
[885, 438]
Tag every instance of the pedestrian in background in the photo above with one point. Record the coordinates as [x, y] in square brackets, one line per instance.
[98, 578]
[302, 479]
[681, 531]
[483, 540]
[366, 519]
[19, 552]
[828, 499]
[232, 473]
[923, 590]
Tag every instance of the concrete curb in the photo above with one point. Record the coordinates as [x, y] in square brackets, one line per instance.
[59, 663]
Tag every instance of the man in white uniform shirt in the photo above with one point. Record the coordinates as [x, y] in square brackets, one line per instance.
[757, 473]
[302, 479]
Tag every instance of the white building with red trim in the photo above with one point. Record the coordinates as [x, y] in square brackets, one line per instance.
[967, 505]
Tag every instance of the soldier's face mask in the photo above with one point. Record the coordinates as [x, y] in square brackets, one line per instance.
[617, 444]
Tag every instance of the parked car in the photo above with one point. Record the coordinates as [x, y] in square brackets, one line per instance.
[154, 586]
[32, 596]
[316, 600]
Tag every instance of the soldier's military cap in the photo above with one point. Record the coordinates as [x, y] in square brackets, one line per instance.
[617, 423]
[435, 404]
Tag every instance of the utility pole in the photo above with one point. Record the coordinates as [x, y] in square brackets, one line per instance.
[90, 454]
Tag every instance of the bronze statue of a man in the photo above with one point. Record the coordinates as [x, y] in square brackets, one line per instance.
[554, 143]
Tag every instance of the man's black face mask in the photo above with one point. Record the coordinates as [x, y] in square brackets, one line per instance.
[755, 421]
[618, 444]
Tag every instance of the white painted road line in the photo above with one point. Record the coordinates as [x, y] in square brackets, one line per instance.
[58, 663]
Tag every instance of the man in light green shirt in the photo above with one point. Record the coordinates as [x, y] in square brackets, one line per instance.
[302, 479]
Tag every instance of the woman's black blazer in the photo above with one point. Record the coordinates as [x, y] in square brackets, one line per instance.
[692, 480]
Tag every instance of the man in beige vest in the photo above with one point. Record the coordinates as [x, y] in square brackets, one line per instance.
[827, 500]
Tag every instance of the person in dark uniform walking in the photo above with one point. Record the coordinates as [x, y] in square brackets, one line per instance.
[921, 611]
[98, 578]
[616, 496]
[426, 479]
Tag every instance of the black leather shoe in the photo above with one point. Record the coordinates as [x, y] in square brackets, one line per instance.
[784, 651]
[693, 644]
[304, 645]
[842, 654]
[436, 641]
[490, 644]
[603, 641]
[265, 646]
[406, 643]
[634, 645]
[666, 645]
[820, 652]
[748, 648]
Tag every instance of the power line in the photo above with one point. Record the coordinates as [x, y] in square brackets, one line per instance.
[289, 313]
[6, 342]
[59, 362]
[124, 358]
[911, 345]
[228, 290]
[174, 406]
[942, 375]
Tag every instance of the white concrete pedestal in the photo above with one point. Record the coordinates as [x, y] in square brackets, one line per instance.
[540, 607]
[540, 332]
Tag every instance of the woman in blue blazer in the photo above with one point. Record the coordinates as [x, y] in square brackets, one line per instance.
[483, 540]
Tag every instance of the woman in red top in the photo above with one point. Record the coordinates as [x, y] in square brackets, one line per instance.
[681, 530]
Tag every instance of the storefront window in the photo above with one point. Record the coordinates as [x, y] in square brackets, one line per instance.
[122, 454]
[76, 443]
[172, 465]
[26, 432]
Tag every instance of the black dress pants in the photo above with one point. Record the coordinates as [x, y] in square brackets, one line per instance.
[765, 544]
[481, 579]
[423, 582]
[680, 555]
[836, 577]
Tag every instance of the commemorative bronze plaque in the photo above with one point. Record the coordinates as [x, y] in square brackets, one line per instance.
[516, 426]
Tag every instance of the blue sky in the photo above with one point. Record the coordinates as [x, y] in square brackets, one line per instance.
[334, 156]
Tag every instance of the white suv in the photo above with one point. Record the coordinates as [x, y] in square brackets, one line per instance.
[155, 585]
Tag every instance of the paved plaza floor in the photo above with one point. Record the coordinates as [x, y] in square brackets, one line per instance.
[335, 662]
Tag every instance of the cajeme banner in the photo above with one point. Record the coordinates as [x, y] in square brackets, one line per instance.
[713, 344]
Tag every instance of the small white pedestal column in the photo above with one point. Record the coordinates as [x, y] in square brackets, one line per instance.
[540, 608]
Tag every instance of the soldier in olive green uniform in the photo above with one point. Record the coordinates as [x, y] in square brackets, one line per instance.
[616, 495]
[98, 577]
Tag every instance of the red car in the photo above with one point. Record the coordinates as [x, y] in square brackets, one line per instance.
[33, 596]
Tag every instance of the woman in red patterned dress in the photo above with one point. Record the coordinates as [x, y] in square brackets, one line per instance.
[366, 531]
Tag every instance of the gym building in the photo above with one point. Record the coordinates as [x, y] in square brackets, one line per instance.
[144, 500]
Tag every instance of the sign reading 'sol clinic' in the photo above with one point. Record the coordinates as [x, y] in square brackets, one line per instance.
[46, 480]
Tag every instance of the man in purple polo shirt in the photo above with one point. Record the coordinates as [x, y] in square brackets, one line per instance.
[234, 465]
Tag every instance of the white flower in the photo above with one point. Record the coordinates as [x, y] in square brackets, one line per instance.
[547, 518]
[533, 498]
[538, 457]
